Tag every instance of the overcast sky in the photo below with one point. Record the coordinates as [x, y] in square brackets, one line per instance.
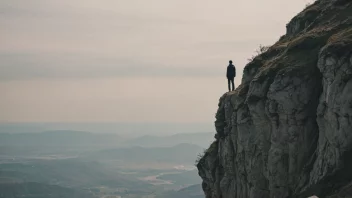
[128, 60]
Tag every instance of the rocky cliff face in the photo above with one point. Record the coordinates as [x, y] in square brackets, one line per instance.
[286, 131]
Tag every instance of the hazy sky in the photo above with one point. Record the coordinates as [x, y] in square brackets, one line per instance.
[128, 60]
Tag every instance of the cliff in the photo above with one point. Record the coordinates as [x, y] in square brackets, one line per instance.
[286, 131]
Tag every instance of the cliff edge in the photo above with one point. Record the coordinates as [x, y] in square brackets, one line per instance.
[286, 131]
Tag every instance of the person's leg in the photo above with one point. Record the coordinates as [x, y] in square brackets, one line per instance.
[228, 83]
[233, 84]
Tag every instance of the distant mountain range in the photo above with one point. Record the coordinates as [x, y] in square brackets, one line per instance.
[69, 138]
[200, 139]
[125, 129]
[181, 153]
[59, 138]
[88, 164]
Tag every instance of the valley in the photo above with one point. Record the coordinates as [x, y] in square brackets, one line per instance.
[77, 166]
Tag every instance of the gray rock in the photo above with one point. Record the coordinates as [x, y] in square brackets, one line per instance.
[287, 129]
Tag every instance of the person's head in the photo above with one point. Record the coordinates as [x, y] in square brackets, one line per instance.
[230, 62]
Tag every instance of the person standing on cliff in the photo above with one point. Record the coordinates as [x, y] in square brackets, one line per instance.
[231, 74]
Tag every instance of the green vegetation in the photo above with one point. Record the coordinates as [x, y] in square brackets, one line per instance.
[345, 35]
[211, 149]
[262, 49]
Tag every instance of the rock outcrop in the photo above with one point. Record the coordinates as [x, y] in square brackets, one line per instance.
[286, 131]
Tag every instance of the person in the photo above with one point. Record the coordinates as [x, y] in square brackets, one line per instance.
[231, 74]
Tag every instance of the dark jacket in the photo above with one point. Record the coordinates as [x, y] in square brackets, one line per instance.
[231, 72]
